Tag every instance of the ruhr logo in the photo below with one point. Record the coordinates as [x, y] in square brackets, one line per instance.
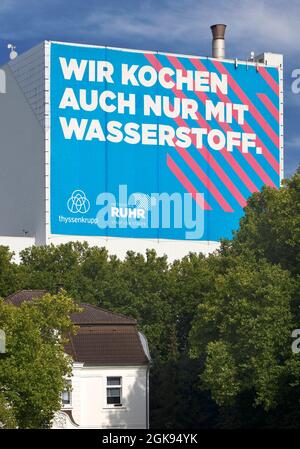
[78, 203]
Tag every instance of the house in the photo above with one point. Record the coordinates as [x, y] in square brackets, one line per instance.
[110, 379]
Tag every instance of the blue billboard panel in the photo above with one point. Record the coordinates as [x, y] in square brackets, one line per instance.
[147, 145]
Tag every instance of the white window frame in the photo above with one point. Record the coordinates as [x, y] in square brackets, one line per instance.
[69, 404]
[119, 386]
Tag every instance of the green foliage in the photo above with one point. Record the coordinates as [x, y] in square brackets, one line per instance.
[32, 374]
[138, 286]
[73, 266]
[161, 297]
[232, 312]
[176, 401]
[244, 326]
[7, 418]
[271, 225]
[8, 272]
[220, 374]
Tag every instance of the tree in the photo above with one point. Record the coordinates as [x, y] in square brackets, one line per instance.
[72, 266]
[161, 297]
[33, 374]
[141, 289]
[7, 419]
[243, 328]
[233, 311]
[137, 286]
[243, 325]
[8, 272]
[191, 279]
[270, 227]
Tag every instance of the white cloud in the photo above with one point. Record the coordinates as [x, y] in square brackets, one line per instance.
[254, 24]
[294, 143]
[181, 26]
[293, 100]
[6, 5]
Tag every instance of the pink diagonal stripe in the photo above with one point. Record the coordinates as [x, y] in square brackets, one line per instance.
[250, 158]
[204, 152]
[269, 80]
[252, 109]
[269, 156]
[186, 183]
[205, 180]
[230, 159]
[269, 105]
[216, 167]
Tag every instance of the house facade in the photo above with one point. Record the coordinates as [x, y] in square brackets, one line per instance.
[109, 387]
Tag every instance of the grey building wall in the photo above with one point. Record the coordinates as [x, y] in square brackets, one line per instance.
[22, 149]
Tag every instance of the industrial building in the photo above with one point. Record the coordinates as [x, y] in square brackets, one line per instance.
[133, 149]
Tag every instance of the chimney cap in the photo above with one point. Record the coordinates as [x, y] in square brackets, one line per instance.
[218, 30]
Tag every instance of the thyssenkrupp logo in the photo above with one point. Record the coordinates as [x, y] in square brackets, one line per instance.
[78, 203]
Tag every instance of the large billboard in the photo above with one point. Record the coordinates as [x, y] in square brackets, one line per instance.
[152, 145]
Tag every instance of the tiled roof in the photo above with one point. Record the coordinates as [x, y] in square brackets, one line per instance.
[90, 314]
[96, 315]
[107, 345]
[103, 337]
[24, 295]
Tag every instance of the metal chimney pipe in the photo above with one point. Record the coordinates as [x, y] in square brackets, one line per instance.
[218, 42]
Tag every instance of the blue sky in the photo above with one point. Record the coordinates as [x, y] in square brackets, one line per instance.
[167, 25]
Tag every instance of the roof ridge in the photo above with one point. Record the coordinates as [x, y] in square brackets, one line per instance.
[25, 290]
[109, 311]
